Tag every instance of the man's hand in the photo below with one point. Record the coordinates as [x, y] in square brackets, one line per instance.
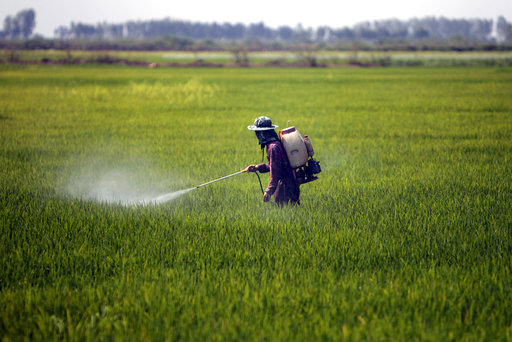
[250, 168]
[266, 197]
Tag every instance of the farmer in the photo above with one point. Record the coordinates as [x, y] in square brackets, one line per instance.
[282, 183]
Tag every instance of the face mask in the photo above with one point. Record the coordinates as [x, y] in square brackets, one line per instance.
[266, 137]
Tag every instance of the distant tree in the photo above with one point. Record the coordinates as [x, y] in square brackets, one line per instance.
[284, 33]
[481, 30]
[420, 33]
[83, 31]
[391, 28]
[366, 31]
[308, 54]
[21, 25]
[11, 28]
[504, 30]
[300, 34]
[27, 19]
[61, 32]
[259, 31]
[240, 55]
[444, 29]
[323, 34]
[232, 31]
[344, 34]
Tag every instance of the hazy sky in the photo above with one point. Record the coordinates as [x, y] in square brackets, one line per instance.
[52, 13]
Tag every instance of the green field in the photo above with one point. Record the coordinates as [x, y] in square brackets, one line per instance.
[266, 58]
[405, 236]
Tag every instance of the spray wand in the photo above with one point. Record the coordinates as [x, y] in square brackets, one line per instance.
[173, 195]
[231, 175]
[219, 179]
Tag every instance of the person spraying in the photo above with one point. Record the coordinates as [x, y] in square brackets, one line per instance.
[290, 163]
[282, 185]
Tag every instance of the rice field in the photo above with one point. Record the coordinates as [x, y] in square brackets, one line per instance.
[405, 236]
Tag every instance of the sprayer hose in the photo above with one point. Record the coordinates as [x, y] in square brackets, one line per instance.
[259, 180]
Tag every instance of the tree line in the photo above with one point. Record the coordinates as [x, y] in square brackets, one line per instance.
[22, 24]
[472, 30]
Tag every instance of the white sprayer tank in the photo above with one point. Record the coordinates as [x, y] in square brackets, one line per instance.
[294, 146]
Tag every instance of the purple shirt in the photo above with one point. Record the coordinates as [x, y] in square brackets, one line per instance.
[282, 182]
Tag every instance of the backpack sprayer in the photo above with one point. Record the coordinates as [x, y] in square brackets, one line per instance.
[300, 155]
